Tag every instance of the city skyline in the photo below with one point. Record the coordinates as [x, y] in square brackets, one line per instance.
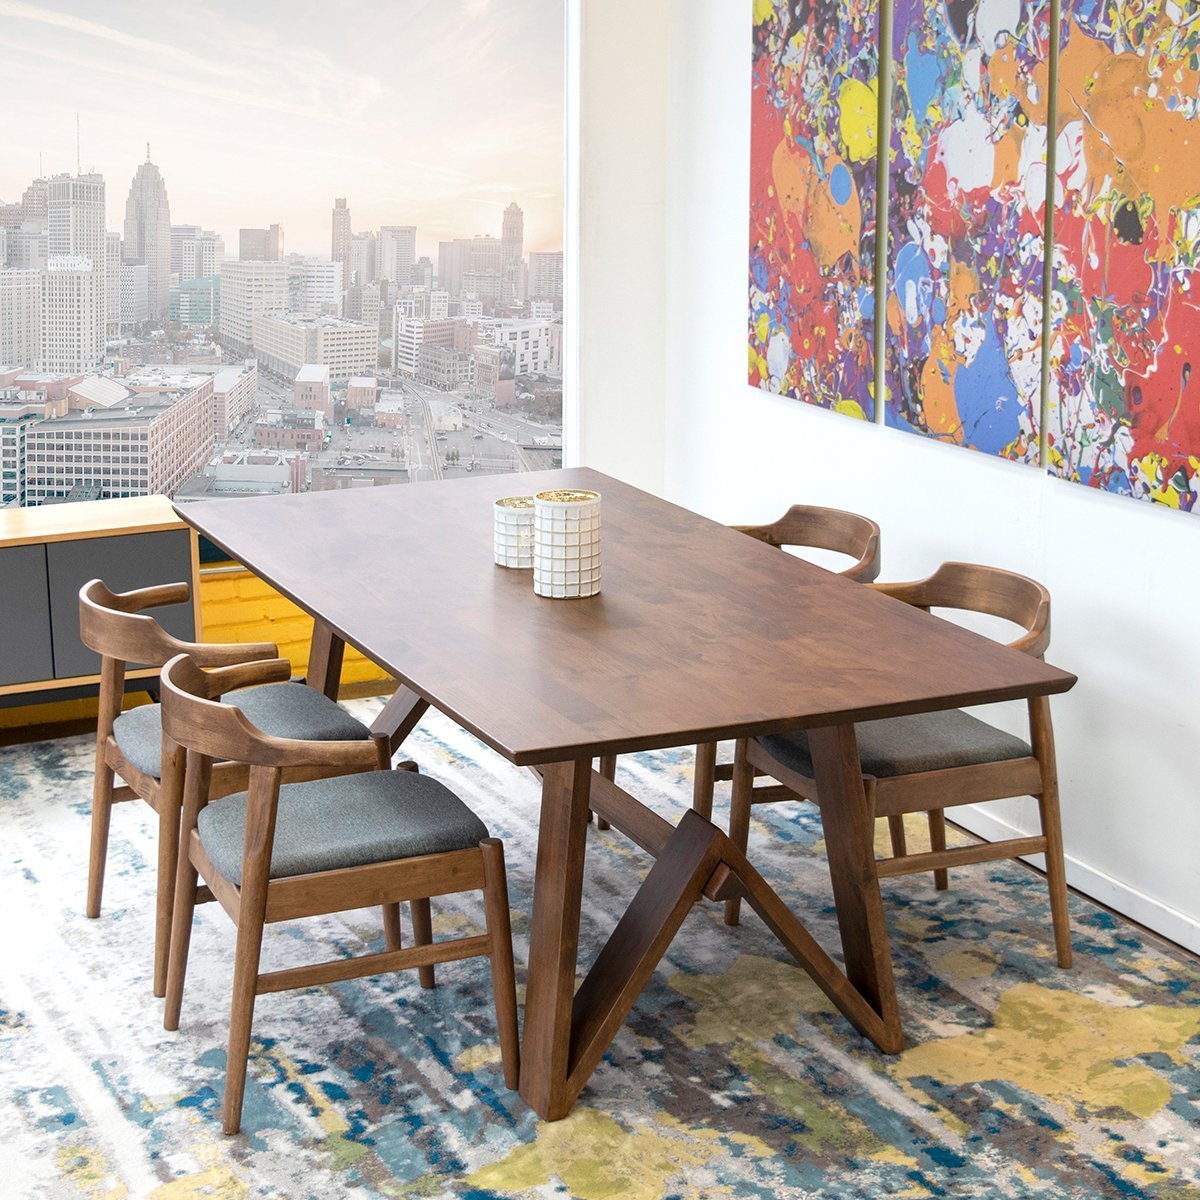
[311, 120]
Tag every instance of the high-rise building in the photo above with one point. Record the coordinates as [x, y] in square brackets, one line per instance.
[454, 258]
[135, 294]
[315, 286]
[363, 260]
[261, 245]
[20, 317]
[196, 303]
[195, 253]
[75, 231]
[422, 273]
[112, 283]
[247, 290]
[512, 250]
[27, 245]
[546, 276]
[72, 336]
[148, 233]
[342, 239]
[397, 253]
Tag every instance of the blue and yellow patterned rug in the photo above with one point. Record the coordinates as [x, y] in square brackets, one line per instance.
[732, 1077]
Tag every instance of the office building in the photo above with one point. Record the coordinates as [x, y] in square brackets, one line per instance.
[546, 276]
[340, 246]
[146, 444]
[20, 317]
[195, 253]
[261, 245]
[363, 260]
[72, 321]
[250, 288]
[235, 391]
[196, 303]
[397, 254]
[310, 389]
[148, 233]
[75, 230]
[135, 295]
[526, 344]
[512, 249]
[285, 342]
[315, 286]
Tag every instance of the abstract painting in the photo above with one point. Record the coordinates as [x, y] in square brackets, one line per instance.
[966, 222]
[1125, 309]
[814, 145]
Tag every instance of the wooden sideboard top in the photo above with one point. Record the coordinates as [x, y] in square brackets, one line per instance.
[86, 519]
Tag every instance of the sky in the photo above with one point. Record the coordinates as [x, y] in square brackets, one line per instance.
[433, 113]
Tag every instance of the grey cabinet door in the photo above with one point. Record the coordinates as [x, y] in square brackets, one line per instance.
[25, 648]
[123, 563]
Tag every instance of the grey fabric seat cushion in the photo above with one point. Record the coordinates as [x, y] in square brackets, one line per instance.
[348, 821]
[908, 745]
[289, 710]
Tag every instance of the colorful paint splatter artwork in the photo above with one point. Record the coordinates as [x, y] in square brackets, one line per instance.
[1125, 309]
[812, 202]
[966, 222]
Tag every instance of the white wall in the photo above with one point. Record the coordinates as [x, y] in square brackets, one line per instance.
[662, 129]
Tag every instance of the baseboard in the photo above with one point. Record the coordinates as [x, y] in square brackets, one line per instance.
[1170, 923]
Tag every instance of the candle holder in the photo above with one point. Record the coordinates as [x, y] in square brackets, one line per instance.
[512, 532]
[566, 544]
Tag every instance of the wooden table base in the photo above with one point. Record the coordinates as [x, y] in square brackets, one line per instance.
[566, 1030]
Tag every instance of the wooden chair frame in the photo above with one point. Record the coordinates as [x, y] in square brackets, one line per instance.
[802, 525]
[973, 588]
[116, 626]
[194, 719]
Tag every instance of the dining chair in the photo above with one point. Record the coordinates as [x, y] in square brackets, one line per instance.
[129, 745]
[280, 851]
[928, 762]
[817, 528]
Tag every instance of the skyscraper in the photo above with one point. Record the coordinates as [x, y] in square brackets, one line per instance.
[512, 248]
[342, 236]
[261, 245]
[73, 302]
[397, 253]
[148, 233]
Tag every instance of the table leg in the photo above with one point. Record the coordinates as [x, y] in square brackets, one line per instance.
[325, 660]
[850, 849]
[554, 938]
[399, 717]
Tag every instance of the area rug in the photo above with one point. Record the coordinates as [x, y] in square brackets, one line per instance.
[731, 1078]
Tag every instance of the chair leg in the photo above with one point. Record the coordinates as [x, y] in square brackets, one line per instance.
[504, 984]
[181, 939]
[937, 841]
[739, 819]
[896, 830]
[422, 921]
[170, 810]
[391, 926]
[168, 862]
[704, 780]
[241, 1011]
[1056, 872]
[102, 801]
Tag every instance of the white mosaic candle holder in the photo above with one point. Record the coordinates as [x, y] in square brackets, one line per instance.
[566, 544]
[512, 532]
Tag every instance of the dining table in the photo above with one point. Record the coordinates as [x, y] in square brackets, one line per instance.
[698, 634]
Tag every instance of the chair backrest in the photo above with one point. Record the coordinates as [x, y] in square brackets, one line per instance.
[825, 529]
[114, 625]
[973, 587]
[194, 717]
